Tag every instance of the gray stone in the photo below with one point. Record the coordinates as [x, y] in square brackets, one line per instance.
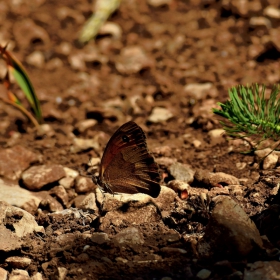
[230, 233]
[62, 272]
[165, 198]
[19, 274]
[269, 270]
[14, 224]
[129, 236]
[38, 176]
[3, 274]
[37, 276]
[160, 114]
[99, 237]
[80, 144]
[60, 193]
[17, 196]
[132, 59]
[84, 184]
[15, 160]
[18, 262]
[171, 251]
[216, 136]
[89, 203]
[203, 274]
[182, 172]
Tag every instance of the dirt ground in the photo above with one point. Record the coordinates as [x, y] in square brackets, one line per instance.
[153, 56]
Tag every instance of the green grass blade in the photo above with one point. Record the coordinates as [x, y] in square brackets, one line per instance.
[18, 71]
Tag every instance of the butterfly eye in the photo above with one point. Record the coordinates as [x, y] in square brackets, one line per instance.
[125, 139]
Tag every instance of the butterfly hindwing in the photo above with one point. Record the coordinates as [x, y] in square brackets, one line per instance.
[126, 165]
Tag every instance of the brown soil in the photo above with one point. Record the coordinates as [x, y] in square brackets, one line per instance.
[186, 42]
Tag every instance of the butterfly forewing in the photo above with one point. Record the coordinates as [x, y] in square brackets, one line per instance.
[126, 165]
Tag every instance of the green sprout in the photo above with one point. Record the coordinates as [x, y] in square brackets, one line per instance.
[15, 68]
[249, 115]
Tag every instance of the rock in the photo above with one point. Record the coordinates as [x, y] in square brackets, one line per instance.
[270, 161]
[272, 12]
[60, 193]
[37, 276]
[274, 37]
[71, 172]
[218, 191]
[158, 3]
[99, 238]
[129, 236]
[163, 151]
[80, 145]
[122, 260]
[89, 203]
[45, 129]
[216, 136]
[268, 156]
[236, 190]
[76, 61]
[94, 161]
[36, 59]
[160, 114]
[230, 233]
[19, 274]
[111, 202]
[218, 179]
[165, 198]
[166, 161]
[260, 21]
[15, 160]
[85, 124]
[171, 251]
[17, 196]
[67, 182]
[36, 177]
[200, 91]
[203, 274]
[126, 209]
[182, 172]
[112, 29]
[240, 7]
[268, 270]
[237, 275]
[54, 64]
[132, 60]
[62, 272]
[3, 274]
[196, 143]
[51, 204]
[18, 262]
[15, 223]
[84, 185]
[180, 187]
[119, 219]
[77, 201]
[82, 258]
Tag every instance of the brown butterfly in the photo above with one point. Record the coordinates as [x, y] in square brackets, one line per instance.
[126, 165]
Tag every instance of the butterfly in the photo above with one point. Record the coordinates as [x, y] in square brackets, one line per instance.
[126, 165]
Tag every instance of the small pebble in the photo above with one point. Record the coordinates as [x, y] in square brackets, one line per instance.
[203, 274]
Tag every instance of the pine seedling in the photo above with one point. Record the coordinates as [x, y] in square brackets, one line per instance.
[249, 115]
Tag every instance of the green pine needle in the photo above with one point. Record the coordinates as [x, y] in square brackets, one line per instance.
[249, 114]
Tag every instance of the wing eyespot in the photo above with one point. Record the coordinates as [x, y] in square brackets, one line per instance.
[125, 139]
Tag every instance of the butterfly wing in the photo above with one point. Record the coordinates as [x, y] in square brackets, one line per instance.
[126, 165]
